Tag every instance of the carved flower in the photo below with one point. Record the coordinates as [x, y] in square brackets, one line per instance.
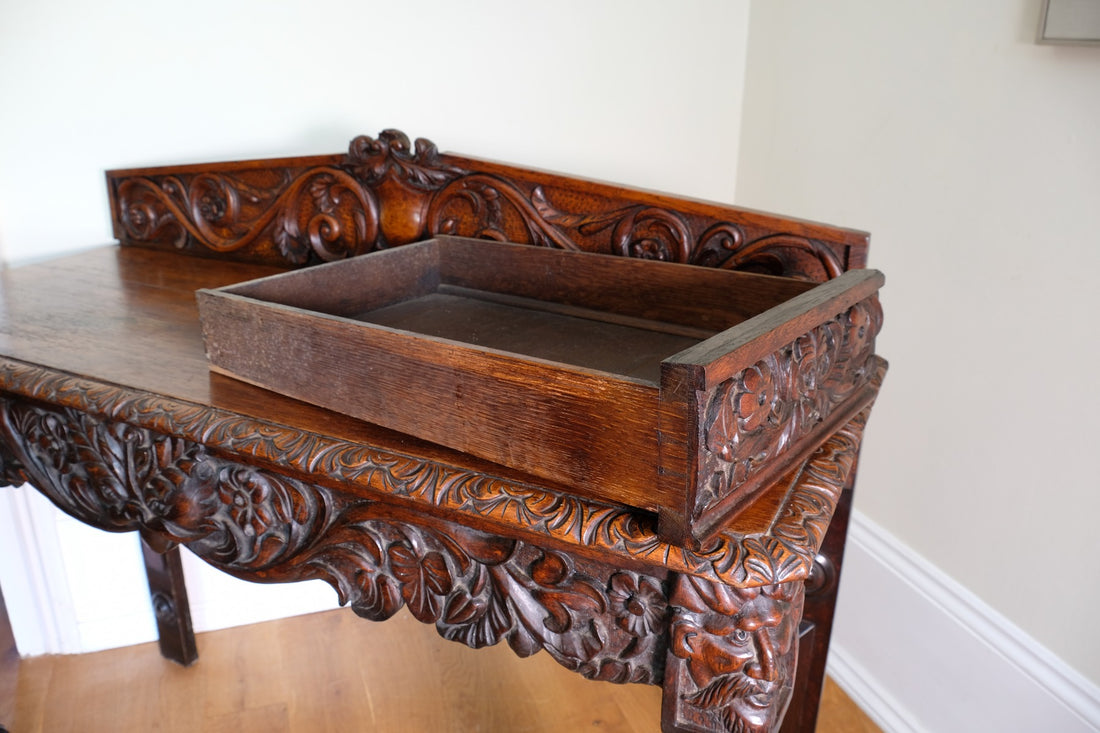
[425, 580]
[638, 603]
[212, 208]
[756, 400]
[652, 234]
[247, 497]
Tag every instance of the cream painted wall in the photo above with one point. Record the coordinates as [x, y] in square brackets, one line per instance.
[647, 93]
[973, 157]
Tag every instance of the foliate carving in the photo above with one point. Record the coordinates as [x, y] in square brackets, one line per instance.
[764, 410]
[783, 554]
[635, 231]
[476, 587]
[488, 207]
[725, 653]
[318, 214]
[386, 192]
[654, 233]
[481, 589]
[119, 477]
[732, 655]
[390, 157]
[725, 245]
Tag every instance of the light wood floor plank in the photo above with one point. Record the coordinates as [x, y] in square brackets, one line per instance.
[333, 672]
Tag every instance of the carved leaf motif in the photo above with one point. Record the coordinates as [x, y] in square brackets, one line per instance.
[462, 609]
[476, 620]
[636, 231]
[372, 161]
[377, 598]
[550, 570]
[721, 428]
[488, 207]
[524, 643]
[424, 580]
[319, 212]
[763, 411]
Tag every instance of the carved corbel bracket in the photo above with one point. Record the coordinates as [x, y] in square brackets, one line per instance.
[732, 656]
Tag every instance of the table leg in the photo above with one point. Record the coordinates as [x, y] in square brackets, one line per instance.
[169, 594]
[817, 622]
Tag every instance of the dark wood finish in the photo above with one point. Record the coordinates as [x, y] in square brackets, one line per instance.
[386, 192]
[817, 619]
[168, 592]
[108, 407]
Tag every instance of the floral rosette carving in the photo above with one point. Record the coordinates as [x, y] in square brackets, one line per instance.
[764, 410]
[481, 589]
[733, 653]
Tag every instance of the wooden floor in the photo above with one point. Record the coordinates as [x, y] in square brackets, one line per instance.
[332, 672]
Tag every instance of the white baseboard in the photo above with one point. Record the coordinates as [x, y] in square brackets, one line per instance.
[919, 652]
[882, 707]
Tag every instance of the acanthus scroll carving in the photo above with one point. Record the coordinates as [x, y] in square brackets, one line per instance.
[477, 588]
[481, 589]
[387, 191]
[761, 412]
[321, 214]
[732, 655]
[120, 477]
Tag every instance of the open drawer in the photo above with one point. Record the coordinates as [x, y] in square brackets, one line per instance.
[672, 388]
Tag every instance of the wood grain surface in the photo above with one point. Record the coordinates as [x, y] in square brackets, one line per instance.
[333, 672]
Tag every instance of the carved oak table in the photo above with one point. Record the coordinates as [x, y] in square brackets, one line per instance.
[722, 591]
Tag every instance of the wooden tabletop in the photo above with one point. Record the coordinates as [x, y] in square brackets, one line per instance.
[127, 316]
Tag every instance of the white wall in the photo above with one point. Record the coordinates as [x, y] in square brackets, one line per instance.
[640, 92]
[646, 93]
[973, 157]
